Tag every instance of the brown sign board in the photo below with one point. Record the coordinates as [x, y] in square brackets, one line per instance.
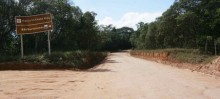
[33, 24]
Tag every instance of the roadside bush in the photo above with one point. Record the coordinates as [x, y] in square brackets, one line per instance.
[8, 58]
[57, 60]
[77, 59]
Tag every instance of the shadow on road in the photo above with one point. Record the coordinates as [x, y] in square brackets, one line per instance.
[99, 70]
[110, 61]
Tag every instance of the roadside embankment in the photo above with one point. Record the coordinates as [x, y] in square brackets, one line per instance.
[57, 60]
[182, 58]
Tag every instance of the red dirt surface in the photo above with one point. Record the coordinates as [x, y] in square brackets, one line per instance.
[212, 68]
[120, 77]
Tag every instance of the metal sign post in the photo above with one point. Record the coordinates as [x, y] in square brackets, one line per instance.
[49, 42]
[22, 48]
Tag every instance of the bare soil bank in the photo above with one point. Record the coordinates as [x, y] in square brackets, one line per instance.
[212, 68]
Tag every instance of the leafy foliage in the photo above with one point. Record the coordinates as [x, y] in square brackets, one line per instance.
[115, 39]
[73, 29]
[186, 24]
[57, 60]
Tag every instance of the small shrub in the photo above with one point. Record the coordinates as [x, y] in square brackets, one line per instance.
[63, 60]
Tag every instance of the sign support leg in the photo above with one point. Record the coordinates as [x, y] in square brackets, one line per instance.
[22, 48]
[49, 51]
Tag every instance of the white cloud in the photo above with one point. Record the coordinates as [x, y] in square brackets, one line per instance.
[130, 19]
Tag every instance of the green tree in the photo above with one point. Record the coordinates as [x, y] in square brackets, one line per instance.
[8, 10]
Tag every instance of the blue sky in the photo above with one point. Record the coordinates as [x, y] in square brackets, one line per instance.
[124, 12]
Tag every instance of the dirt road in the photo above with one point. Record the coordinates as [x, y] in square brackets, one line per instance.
[120, 77]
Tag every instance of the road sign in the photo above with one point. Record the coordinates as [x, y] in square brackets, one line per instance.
[33, 24]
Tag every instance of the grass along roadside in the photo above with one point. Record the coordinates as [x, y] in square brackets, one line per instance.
[57, 60]
[193, 56]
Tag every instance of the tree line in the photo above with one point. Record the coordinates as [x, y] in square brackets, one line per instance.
[186, 24]
[73, 29]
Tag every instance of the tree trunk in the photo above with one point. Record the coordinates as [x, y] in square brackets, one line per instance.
[215, 47]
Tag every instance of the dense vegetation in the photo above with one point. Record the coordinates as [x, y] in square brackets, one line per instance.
[57, 60]
[73, 29]
[77, 41]
[187, 24]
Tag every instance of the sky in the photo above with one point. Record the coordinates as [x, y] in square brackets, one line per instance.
[122, 13]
